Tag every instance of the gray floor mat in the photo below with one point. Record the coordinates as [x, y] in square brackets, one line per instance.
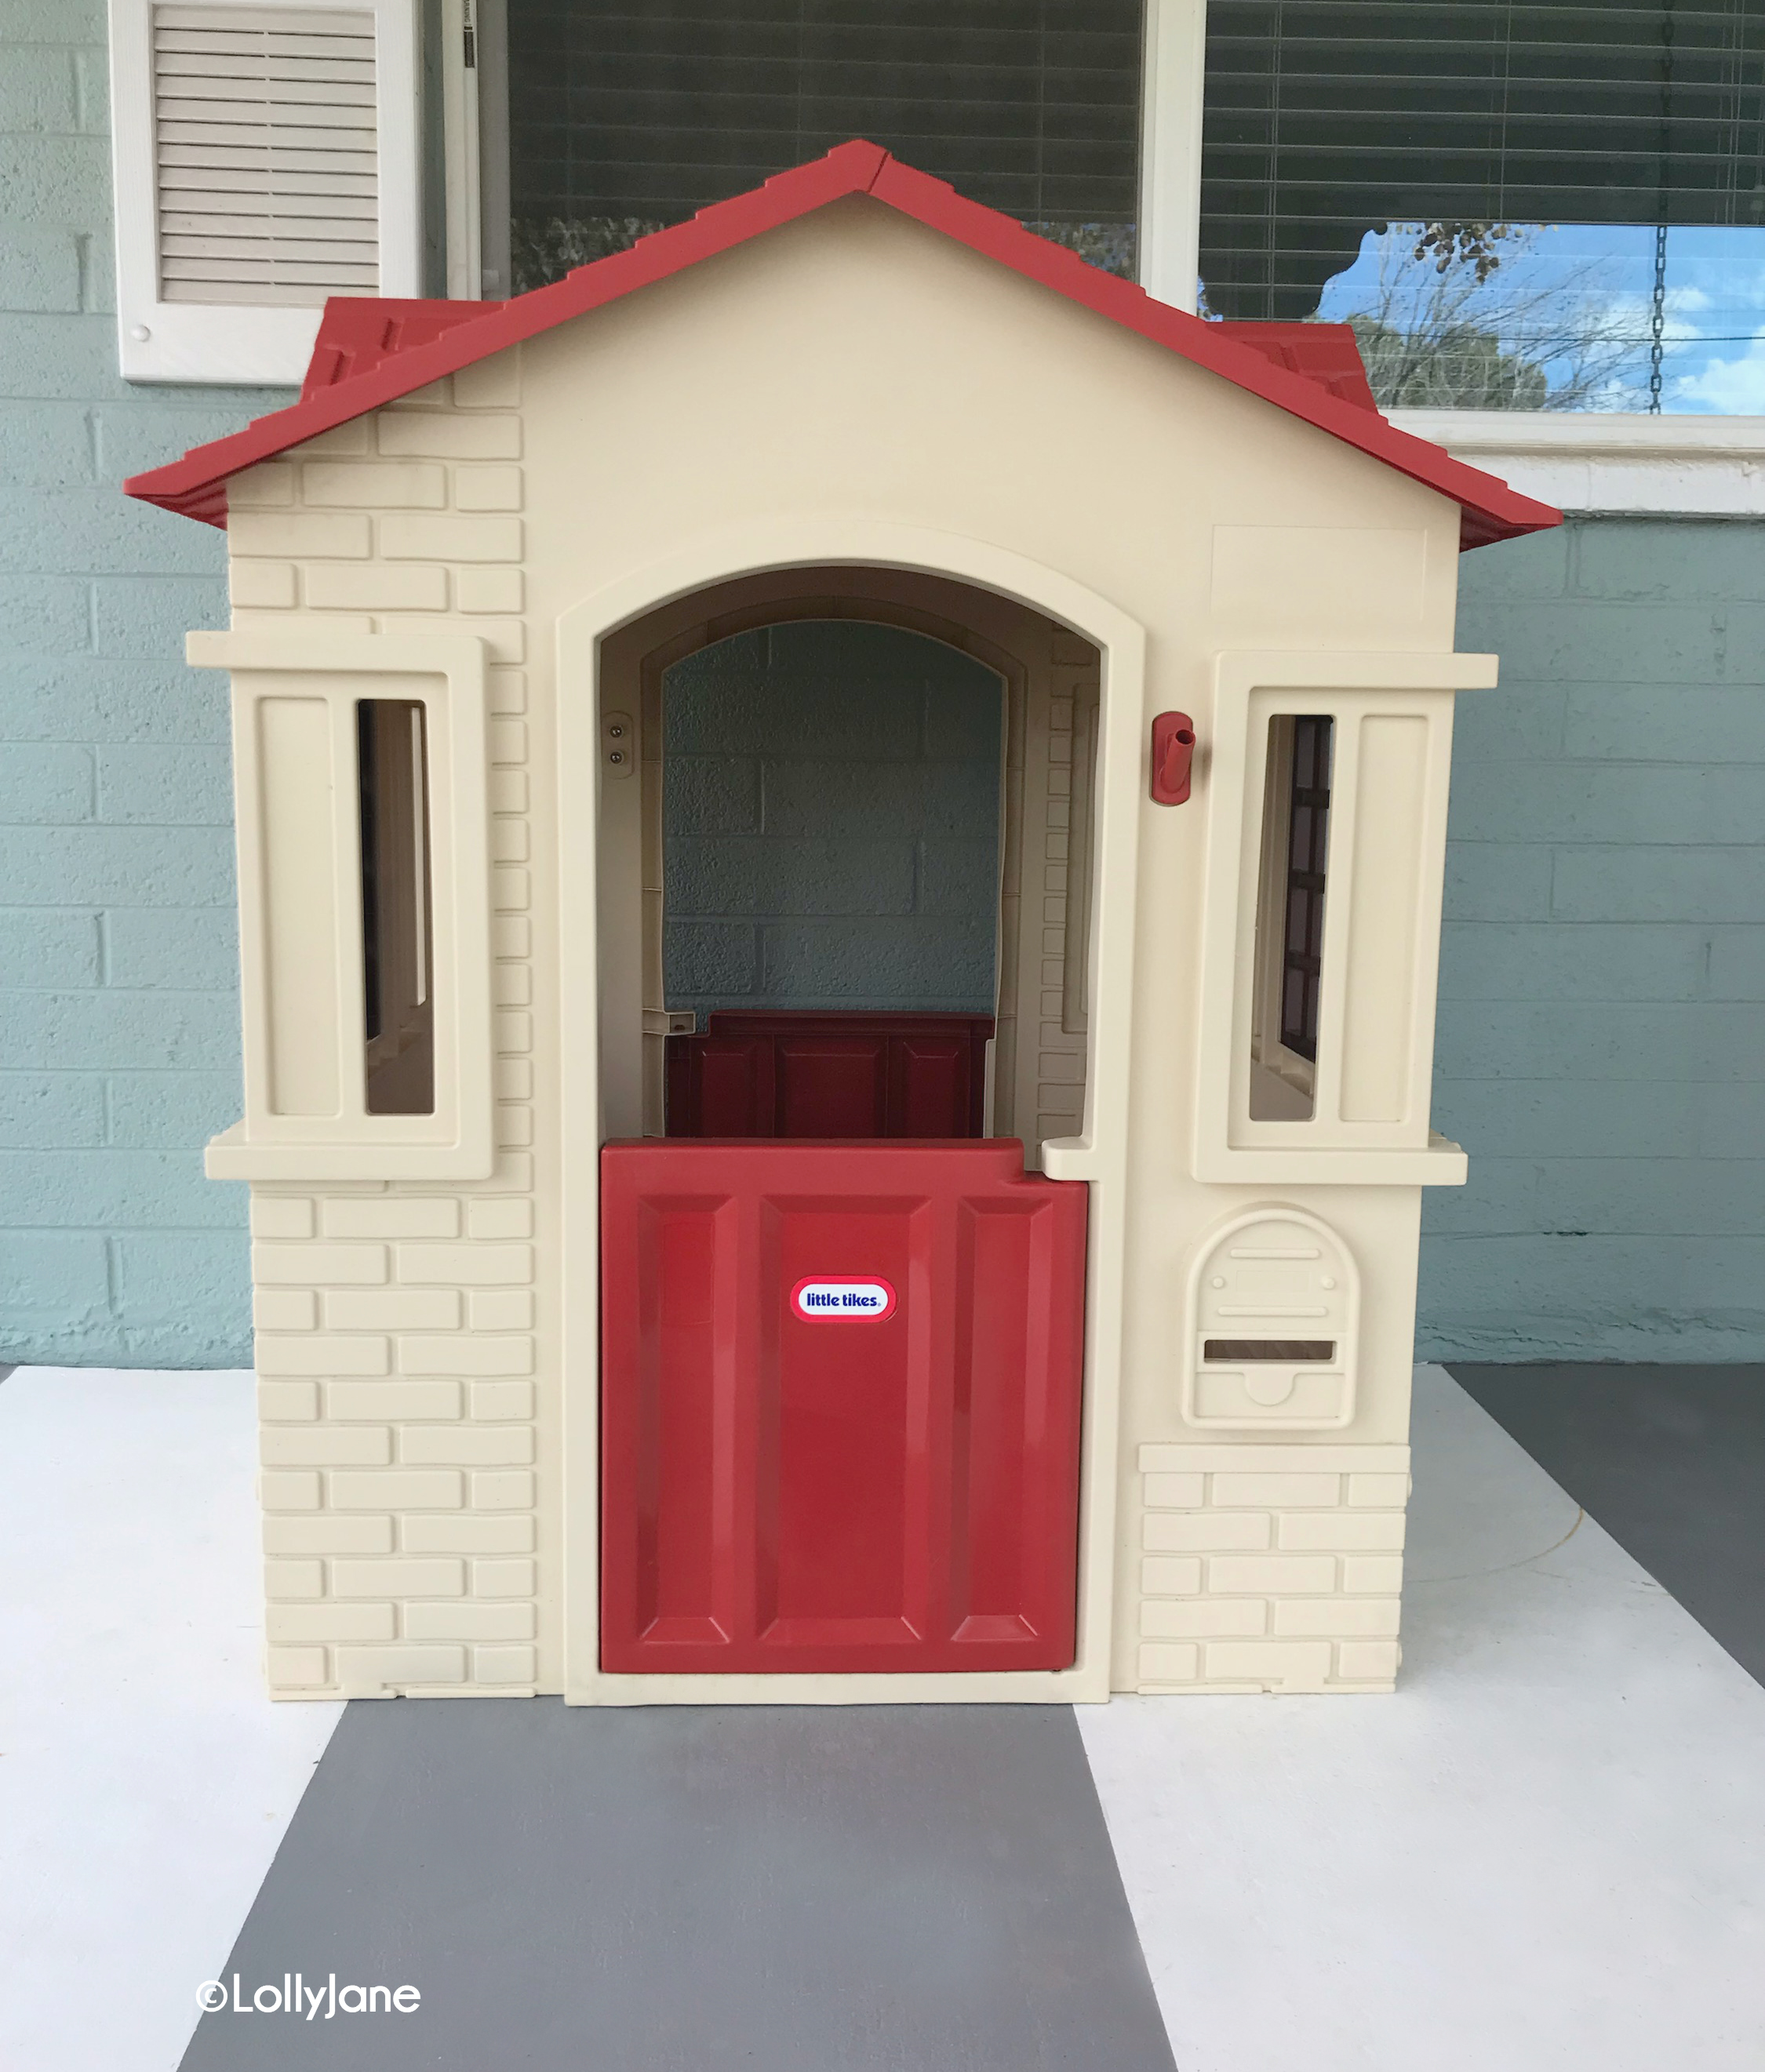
[1670, 1460]
[899, 1889]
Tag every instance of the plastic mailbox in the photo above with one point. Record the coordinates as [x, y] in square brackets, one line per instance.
[840, 1403]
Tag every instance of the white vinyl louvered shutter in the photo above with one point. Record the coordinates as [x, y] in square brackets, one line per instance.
[265, 158]
[265, 161]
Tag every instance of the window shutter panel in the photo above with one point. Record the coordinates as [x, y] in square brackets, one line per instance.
[266, 159]
[265, 154]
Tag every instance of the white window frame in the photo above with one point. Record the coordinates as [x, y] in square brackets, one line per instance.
[1617, 463]
[241, 343]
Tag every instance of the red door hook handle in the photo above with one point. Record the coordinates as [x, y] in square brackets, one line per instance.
[1173, 750]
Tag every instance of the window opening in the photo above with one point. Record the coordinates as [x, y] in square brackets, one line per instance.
[397, 929]
[1287, 983]
[1308, 839]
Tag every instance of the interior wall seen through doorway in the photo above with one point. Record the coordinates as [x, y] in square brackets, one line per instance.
[831, 817]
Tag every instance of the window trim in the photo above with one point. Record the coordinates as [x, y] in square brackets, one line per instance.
[1326, 1148]
[446, 674]
[226, 342]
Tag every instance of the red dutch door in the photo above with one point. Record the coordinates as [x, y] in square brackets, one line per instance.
[840, 1392]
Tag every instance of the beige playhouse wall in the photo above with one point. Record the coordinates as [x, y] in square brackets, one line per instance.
[852, 366]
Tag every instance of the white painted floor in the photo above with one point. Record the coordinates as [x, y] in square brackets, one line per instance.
[145, 1781]
[1547, 1851]
[1545, 1854]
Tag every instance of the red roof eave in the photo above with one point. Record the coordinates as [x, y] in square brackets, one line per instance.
[361, 362]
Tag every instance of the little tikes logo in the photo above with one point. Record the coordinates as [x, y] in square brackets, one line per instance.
[843, 1300]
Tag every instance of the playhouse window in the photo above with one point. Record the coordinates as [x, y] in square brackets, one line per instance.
[1308, 838]
[1289, 970]
[396, 925]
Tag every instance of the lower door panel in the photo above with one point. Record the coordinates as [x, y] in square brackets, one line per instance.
[841, 1389]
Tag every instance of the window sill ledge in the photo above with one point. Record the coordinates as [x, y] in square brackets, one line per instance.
[233, 1156]
[1617, 464]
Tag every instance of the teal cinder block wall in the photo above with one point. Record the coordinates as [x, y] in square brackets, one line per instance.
[1600, 1047]
[119, 1044]
[1602, 1034]
[831, 822]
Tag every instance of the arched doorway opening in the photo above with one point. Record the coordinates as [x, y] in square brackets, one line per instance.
[853, 864]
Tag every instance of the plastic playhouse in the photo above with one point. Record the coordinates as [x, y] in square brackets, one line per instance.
[1026, 1336]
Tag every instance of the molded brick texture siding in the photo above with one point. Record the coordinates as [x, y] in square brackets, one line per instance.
[832, 810]
[119, 1025]
[1269, 1568]
[403, 1400]
[1601, 1051]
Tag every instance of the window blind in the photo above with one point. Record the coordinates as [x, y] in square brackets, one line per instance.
[626, 117]
[265, 143]
[1325, 118]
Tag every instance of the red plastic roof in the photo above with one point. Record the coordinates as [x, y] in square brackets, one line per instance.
[370, 352]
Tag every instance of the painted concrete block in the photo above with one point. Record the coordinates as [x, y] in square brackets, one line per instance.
[186, 949]
[724, 876]
[147, 621]
[47, 782]
[1648, 723]
[181, 1296]
[713, 960]
[113, 1189]
[713, 795]
[932, 961]
[1696, 885]
[105, 1029]
[1650, 562]
[1489, 882]
[171, 1111]
[54, 947]
[51, 1278]
[44, 616]
[52, 1110]
[60, 866]
[1593, 960]
[44, 444]
[1535, 567]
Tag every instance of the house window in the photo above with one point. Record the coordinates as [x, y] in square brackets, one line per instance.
[396, 925]
[1546, 207]
[623, 119]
